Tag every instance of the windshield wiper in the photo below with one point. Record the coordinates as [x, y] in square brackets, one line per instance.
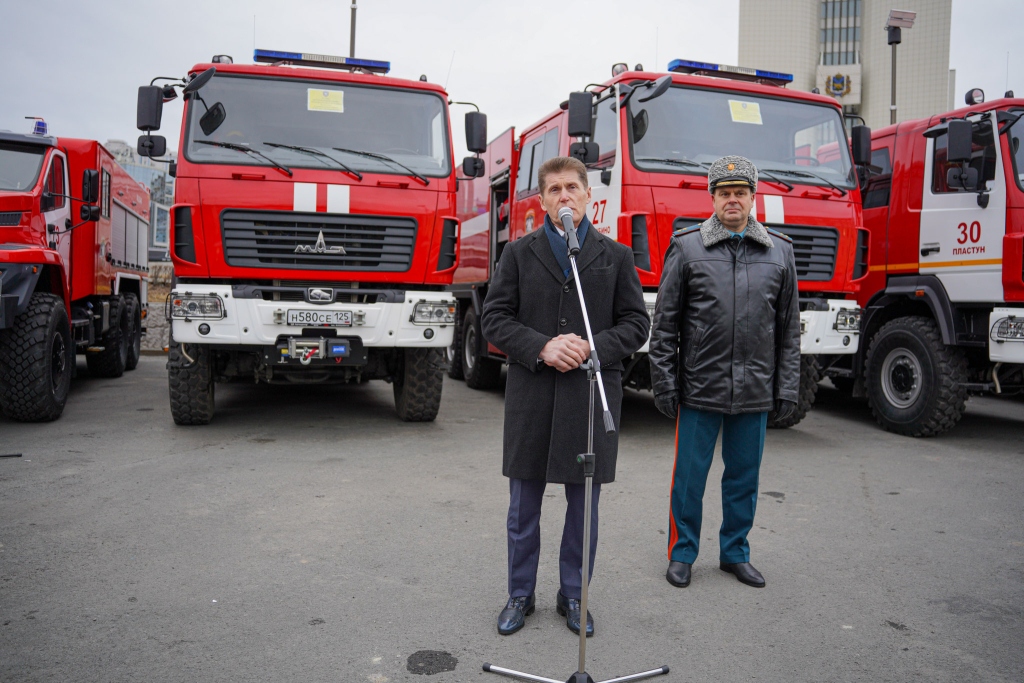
[809, 174]
[777, 179]
[312, 151]
[677, 162]
[384, 157]
[248, 150]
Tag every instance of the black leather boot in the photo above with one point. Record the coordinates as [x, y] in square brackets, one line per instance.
[513, 617]
[745, 573]
[678, 574]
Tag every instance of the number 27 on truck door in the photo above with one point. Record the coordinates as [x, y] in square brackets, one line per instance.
[599, 208]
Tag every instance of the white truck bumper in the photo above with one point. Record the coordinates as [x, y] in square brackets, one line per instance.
[1005, 337]
[818, 333]
[253, 321]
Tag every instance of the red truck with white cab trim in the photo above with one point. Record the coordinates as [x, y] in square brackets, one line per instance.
[944, 298]
[314, 229]
[648, 140]
[70, 281]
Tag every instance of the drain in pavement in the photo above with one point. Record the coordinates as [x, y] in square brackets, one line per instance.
[430, 662]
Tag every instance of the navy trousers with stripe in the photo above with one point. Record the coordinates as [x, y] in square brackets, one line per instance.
[525, 497]
[742, 446]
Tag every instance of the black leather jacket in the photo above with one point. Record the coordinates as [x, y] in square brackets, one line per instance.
[726, 329]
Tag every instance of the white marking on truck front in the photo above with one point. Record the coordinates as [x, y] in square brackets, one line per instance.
[773, 212]
[337, 198]
[304, 197]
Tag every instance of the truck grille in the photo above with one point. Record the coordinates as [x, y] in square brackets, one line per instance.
[268, 239]
[814, 248]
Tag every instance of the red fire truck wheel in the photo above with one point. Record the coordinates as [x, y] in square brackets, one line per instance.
[915, 383]
[36, 358]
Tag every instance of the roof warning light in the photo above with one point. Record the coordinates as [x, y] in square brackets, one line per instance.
[738, 73]
[326, 61]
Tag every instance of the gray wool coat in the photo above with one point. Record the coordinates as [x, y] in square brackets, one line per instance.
[529, 303]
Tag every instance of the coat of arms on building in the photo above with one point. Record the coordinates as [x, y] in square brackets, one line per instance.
[838, 85]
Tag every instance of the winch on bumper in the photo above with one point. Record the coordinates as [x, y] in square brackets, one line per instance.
[310, 325]
[829, 326]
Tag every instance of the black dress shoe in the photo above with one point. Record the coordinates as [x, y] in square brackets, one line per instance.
[570, 609]
[745, 573]
[678, 574]
[513, 617]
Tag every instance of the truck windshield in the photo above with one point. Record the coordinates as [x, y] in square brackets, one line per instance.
[686, 129]
[19, 165]
[307, 124]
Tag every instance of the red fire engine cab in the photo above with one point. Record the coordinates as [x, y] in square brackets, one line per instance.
[313, 231]
[649, 140]
[66, 287]
[944, 297]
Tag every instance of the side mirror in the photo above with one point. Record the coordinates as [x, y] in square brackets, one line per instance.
[89, 213]
[659, 88]
[860, 143]
[90, 185]
[151, 146]
[476, 132]
[200, 80]
[473, 167]
[149, 108]
[965, 177]
[581, 114]
[587, 152]
[958, 141]
[212, 119]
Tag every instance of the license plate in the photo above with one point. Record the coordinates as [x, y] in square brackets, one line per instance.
[333, 318]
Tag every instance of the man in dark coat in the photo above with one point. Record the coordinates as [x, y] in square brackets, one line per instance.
[532, 313]
[725, 350]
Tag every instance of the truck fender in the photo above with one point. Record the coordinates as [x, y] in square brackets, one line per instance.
[929, 289]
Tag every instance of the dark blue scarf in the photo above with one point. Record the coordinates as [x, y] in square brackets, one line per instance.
[558, 243]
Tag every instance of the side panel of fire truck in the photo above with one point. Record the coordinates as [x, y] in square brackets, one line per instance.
[940, 321]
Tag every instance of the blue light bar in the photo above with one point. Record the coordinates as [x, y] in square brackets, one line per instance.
[39, 127]
[738, 73]
[326, 61]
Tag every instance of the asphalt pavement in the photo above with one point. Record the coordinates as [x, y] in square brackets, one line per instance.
[308, 535]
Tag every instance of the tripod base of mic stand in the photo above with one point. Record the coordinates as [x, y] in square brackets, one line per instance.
[577, 677]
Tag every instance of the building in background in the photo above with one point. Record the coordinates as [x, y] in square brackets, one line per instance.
[841, 48]
[154, 175]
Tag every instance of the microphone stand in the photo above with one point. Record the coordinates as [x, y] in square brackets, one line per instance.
[593, 368]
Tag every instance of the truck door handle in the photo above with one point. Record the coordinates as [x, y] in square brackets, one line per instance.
[929, 249]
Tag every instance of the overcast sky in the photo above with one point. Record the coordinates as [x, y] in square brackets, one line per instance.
[79, 64]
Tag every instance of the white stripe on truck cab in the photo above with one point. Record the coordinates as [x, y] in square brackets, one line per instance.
[337, 198]
[304, 197]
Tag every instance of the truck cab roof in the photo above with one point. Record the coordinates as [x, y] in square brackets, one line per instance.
[28, 138]
[299, 72]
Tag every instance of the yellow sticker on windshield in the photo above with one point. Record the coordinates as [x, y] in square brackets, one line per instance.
[745, 112]
[326, 100]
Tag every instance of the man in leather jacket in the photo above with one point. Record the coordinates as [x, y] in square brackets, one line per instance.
[725, 350]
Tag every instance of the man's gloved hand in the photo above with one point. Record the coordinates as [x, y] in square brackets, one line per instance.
[668, 403]
[784, 409]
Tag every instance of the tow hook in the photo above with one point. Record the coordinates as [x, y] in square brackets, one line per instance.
[306, 359]
[305, 350]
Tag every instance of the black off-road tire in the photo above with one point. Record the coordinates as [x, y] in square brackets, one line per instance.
[36, 359]
[480, 372]
[810, 373]
[191, 383]
[914, 382]
[418, 386]
[135, 343]
[454, 353]
[113, 359]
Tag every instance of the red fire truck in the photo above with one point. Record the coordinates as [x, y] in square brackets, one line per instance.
[313, 231]
[650, 140]
[66, 287]
[944, 297]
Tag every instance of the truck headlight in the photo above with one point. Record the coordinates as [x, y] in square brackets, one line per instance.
[190, 306]
[434, 313]
[1008, 329]
[848, 320]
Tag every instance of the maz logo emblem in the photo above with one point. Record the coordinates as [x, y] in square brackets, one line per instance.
[317, 295]
[319, 248]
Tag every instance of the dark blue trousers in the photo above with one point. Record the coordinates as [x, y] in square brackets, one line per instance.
[742, 446]
[525, 497]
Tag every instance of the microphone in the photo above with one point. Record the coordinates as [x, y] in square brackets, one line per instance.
[565, 216]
